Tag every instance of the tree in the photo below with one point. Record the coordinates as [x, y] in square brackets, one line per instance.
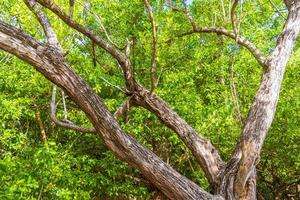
[235, 179]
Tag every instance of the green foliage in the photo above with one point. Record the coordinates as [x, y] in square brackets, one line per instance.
[194, 76]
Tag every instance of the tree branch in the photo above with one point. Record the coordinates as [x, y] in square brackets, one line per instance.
[66, 123]
[154, 45]
[119, 56]
[53, 66]
[246, 155]
[205, 153]
[240, 40]
[232, 16]
[98, 19]
[71, 8]
[124, 109]
[42, 18]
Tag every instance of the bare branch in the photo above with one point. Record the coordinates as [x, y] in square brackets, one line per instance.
[202, 149]
[94, 54]
[113, 85]
[276, 9]
[222, 31]
[65, 105]
[240, 40]
[127, 48]
[246, 155]
[189, 16]
[40, 122]
[234, 94]
[65, 124]
[232, 16]
[154, 45]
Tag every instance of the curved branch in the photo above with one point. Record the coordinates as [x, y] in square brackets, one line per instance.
[65, 124]
[43, 20]
[240, 40]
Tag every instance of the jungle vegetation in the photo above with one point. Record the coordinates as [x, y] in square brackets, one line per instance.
[149, 99]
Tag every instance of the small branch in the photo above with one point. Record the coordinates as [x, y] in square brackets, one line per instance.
[94, 54]
[118, 55]
[276, 9]
[127, 48]
[189, 17]
[68, 124]
[236, 27]
[222, 31]
[98, 19]
[71, 8]
[233, 20]
[154, 45]
[65, 106]
[110, 84]
[124, 109]
[40, 123]
[234, 95]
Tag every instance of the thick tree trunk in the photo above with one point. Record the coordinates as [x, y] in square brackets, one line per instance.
[238, 180]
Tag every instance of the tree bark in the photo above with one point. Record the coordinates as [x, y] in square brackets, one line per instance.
[235, 180]
[239, 176]
[50, 63]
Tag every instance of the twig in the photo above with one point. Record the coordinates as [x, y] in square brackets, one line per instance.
[100, 23]
[65, 106]
[234, 94]
[115, 86]
[124, 109]
[42, 18]
[94, 54]
[233, 90]
[40, 123]
[114, 51]
[232, 17]
[277, 10]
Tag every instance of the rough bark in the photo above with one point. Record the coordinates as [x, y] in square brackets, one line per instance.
[239, 176]
[49, 62]
[202, 149]
[236, 179]
[205, 153]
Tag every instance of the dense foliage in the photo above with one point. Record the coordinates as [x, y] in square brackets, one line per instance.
[195, 77]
